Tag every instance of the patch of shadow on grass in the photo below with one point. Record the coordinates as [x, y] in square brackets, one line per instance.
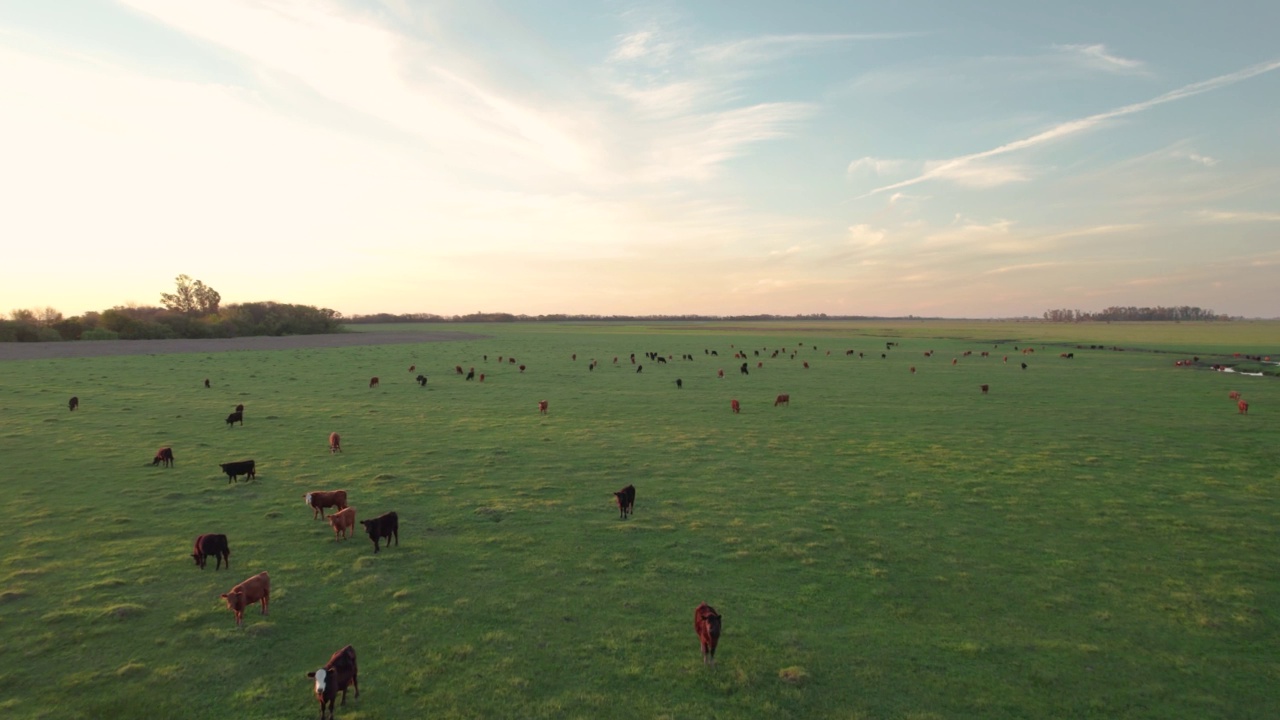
[794, 675]
[12, 595]
[103, 583]
[123, 611]
[489, 513]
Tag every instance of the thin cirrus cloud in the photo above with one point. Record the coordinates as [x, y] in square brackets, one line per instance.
[959, 167]
[1097, 57]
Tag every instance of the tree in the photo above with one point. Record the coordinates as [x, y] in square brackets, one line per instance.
[191, 297]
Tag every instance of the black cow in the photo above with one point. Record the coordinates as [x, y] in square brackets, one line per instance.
[243, 467]
[626, 498]
[744, 369]
[233, 418]
[679, 383]
[206, 382]
[422, 381]
[386, 526]
[215, 546]
[73, 403]
[336, 676]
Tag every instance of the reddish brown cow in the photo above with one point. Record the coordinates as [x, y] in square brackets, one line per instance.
[706, 622]
[984, 389]
[373, 382]
[1234, 395]
[321, 499]
[255, 589]
[720, 373]
[343, 522]
[412, 368]
[736, 407]
[335, 677]
[806, 365]
[163, 456]
[1244, 407]
[626, 498]
[542, 407]
[913, 369]
[783, 399]
[521, 368]
[335, 443]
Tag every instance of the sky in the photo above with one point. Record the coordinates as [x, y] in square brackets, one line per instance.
[941, 159]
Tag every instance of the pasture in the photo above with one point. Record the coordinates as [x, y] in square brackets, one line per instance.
[1095, 537]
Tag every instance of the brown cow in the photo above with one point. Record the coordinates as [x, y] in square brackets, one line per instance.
[163, 455]
[542, 407]
[335, 443]
[373, 381]
[1244, 407]
[255, 589]
[321, 499]
[1234, 395]
[336, 676]
[736, 407]
[984, 389]
[706, 622]
[626, 498]
[343, 522]
[913, 369]
[412, 368]
[783, 399]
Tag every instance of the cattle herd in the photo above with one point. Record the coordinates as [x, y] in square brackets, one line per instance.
[340, 672]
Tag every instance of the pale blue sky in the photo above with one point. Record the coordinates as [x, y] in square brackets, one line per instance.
[978, 159]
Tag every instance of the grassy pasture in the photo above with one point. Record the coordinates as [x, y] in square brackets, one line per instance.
[1096, 537]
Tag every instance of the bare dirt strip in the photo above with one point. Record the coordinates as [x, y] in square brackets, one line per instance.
[106, 348]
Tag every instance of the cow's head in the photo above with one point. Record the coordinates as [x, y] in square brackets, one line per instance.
[235, 602]
[196, 557]
[307, 497]
[322, 678]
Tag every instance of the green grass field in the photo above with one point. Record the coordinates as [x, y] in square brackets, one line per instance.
[1095, 538]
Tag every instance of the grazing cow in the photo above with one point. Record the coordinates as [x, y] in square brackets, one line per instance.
[542, 407]
[233, 418]
[242, 467]
[953, 361]
[706, 622]
[343, 522]
[481, 377]
[422, 381]
[720, 373]
[336, 676]
[413, 368]
[913, 369]
[521, 368]
[386, 525]
[744, 370]
[206, 382]
[1244, 407]
[215, 546]
[1234, 395]
[1024, 366]
[373, 381]
[471, 374]
[639, 368]
[255, 589]
[736, 407]
[321, 499]
[574, 357]
[806, 365]
[984, 389]
[163, 455]
[626, 498]
[73, 403]
[783, 399]
[457, 369]
[335, 443]
[679, 383]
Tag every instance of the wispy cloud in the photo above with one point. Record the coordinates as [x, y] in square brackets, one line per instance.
[1098, 57]
[769, 47]
[945, 169]
[1225, 216]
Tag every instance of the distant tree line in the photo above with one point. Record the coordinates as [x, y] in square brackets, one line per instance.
[193, 311]
[1179, 313]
